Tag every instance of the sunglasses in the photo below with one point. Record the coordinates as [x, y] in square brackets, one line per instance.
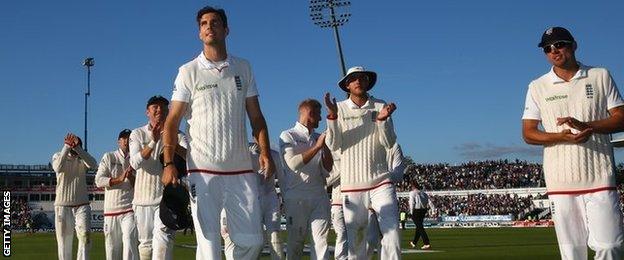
[557, 45]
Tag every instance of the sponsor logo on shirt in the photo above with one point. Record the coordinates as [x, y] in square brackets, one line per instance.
[206, 87]
[589, 91]
[239, 84]
[556, 97]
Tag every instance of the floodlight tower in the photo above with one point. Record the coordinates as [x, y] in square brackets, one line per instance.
[88, 62]
[331, 13]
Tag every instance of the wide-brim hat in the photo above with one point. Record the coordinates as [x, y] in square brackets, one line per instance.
[372, 77]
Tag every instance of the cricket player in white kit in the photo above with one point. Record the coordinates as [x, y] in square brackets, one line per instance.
[397, 169]
[270, 207]
[578, 107]
[215, 92]
[117, 177]
[308, 162]
[361, 130]
[269, 202]
[155, 239]
[71, 206]
[337, 214]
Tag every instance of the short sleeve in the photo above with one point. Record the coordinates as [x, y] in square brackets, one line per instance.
[182, 87]
[531, 110]
[252, 90]
[614, 99]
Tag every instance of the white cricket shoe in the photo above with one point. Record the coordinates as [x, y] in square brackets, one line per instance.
[425, 247]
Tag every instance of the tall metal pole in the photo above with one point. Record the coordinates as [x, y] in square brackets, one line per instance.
[337, 36]
[333, 19]
[88, 62]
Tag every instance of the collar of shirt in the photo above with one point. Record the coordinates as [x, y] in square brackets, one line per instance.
[303, 129]
[352, 104]
[122, 154]
[581, 73]
[206, 64]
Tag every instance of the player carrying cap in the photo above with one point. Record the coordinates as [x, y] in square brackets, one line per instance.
[578, 106]
[215, 92]
[361, 130]
[71, 206]
[308, 162]
[155, 239]
[117, 177]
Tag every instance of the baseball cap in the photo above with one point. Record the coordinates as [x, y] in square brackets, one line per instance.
[555, 34]
[174, 207]
[156, 100]
[124, 133]
[372, 77]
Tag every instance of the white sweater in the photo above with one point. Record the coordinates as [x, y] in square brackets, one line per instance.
[216, 114]
[147, 187]
[117, 198]
[362, 142]
[71, 182]
[575, 168]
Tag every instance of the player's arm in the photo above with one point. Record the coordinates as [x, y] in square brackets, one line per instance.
[261, 132]
[87, 159]
[103, 176]
[533, 135]
[387, 137]
[612, 124]
[295, 161]
[327, 159]
[334, 133]
[170, 141]
[147, 151]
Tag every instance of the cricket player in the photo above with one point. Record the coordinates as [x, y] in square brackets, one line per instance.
[155, 239]
[578, 106]
[269, 202]
[361, 130]
[308, 162]
[397, 169]
[117, 178]
[337, 215]
[215, 92]
[71, 206]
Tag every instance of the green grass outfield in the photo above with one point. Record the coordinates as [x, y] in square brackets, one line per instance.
[457, 243]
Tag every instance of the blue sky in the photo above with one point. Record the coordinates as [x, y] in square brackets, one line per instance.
[458, 70]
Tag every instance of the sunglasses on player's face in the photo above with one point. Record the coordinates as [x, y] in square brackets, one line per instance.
[557, 45]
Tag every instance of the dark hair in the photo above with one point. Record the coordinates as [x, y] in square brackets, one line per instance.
[157, 99]
[310, 103]
[209, 9]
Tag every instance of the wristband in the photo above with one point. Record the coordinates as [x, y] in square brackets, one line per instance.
[167, 164]
[151, 144]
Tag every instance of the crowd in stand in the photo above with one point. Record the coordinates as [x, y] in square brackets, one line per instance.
[20, 214]
[500, 174]
[475, 204]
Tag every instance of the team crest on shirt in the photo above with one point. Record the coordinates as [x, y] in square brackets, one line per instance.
[239, 84]
[589, 91]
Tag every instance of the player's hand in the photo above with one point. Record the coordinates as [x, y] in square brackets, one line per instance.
[386, 111]
[573, 123]
[320, 142]
[170, 175]
[267, 166]
[332, 106]
[581, 137]
[68, 140]
[157, 131]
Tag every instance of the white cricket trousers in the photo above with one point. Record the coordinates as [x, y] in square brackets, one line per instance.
[383, 201]
[340, 249]
[238, 194]
[120, 236]
[65, 220]
[591, 219]
[373, 234]
[269, 203]
[303, 216]
[155, 239]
